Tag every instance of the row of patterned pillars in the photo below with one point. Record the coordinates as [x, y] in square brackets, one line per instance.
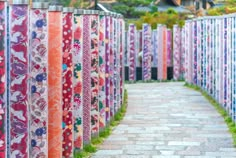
[209, 52]
[149, 48]
[178, 53]
[61, 77]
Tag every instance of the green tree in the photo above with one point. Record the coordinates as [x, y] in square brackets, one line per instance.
[67, 3]
[228, 8]
[168, 18]
[127, 7]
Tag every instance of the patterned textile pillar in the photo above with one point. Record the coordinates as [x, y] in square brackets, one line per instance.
[225, 47]
[126, 49]
[152, 44]
[160, 52]
[122, 59]
[209, 56]
[182, 54]
[234, 69]
[119, 58]
[121, 31]
[19, 87]
[94, 51]
[169, 48]
[102, 70]
[187, 43]
[176, 52]
[137, 49]
[107, 67]
[131, 52]
[111, 71]
[140, 38]
[229, 62]
[8, 80]
[194, 57]
[86, 69]
[118, 63]
[221, 62]
[55, 82]
[77, 55]
[217, 58]
[199, 52]
[213, 60]
[216, 72]
[38, 80]
[154, 47]
[115, 49]
[146, 58]
[190, 52]
[203, 54]
[164, 53]
[208, 52]
[3, 103]
[212, 54]
[67, 87]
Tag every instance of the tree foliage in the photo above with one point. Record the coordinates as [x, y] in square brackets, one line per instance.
[228, 8]
[221, 10]
[68, 3]
[127, 7]
[169, 18]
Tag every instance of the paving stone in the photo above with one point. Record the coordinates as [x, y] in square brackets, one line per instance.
[117, 138]
[108, 142]
[150, 135]
[214, 135]
[133, 156]
[168, 120]
[124, 156]
[194, 139]
[150, 143]
[138, 147]
[184, 143]
[141, 152]
[167, 152]
[118, 132]
[164, 156]
[200, 156]
[109, 152]
[228, 149]
[169, 138]
[167, 147]
[110, 147]
[189, 152]
[222, 154]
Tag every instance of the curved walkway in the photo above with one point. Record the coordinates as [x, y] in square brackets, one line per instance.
[167, 120]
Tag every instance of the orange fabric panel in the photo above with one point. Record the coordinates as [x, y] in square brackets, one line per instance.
[165, 54]
[55, 85]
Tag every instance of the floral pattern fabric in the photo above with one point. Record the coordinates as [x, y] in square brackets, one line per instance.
[19, 75]
[67, 92]
[2, 79]
[102, 72]
[77, 82]
[38, 83]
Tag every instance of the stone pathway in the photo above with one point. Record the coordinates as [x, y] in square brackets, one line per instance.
[167, 120]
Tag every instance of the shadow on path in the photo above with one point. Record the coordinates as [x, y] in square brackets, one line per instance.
[171, 121]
